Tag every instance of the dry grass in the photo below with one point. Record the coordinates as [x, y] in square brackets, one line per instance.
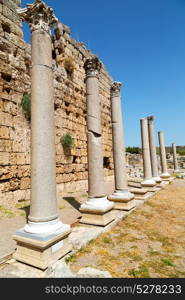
[14, 209]
[148, 243]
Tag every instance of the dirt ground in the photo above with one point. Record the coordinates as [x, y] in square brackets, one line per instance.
[150, 242]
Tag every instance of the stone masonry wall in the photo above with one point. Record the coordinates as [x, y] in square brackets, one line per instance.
[70, 108]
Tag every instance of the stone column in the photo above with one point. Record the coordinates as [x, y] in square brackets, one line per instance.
[122, 197]
[148, 181]
[153, 153]
[96, 210]
[164, 168]
[43, 221]
[176, 168]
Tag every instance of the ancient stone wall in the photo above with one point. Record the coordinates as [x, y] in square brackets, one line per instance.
[70, 108]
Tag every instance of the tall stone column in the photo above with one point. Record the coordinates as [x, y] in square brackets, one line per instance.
[44, 228]
[97, 209]
[148, 180]
[153, 153]
[122, 197]
[176, 168]
[164, 168]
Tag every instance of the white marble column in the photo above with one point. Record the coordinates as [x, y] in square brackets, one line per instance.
[96, 210]
[122, 197]
[148, 180]
[43, 220]
[153, 153]
[175, 162]
[164, 168]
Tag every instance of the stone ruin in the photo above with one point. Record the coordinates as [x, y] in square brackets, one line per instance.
[81, 101]
[69, 102]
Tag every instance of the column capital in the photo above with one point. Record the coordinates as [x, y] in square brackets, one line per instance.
[150, 119]
[115, 88]
[38, 15]
[92, 66]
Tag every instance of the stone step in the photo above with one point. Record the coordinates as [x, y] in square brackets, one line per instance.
[140, 191]
[134, 184]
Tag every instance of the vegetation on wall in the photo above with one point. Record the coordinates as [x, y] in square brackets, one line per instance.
[67, 141]
[69, 66]
[26, 105]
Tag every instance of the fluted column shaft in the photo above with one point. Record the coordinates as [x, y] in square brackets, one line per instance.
[153, 153]
[164, 168]
[43, 165]
[97, 202]
[43, 215]
[96, 187]
[175, 162]
[118, 140]
[146, 154]
[121, 196]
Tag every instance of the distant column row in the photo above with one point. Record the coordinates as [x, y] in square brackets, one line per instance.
[43, 239]
[150, 161]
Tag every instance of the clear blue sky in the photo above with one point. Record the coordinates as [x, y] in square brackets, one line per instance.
[142, 44]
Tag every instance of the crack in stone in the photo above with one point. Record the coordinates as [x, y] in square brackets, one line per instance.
[42, 66]
[95, 133]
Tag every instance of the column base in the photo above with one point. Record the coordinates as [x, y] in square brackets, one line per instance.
[140, 193]
[148, 182]
[97, 205]
[165, 176]
[39, 250]
[134, 184]
[157, 179]
[176, 171]
[45, 227]
[125, 205]
[123, 199]
[97, 211]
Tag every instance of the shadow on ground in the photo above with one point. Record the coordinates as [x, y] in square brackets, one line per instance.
[73, 202]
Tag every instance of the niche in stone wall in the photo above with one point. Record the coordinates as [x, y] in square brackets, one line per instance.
[6, 27]
[6, 77]
[74, 159]
[106, 162]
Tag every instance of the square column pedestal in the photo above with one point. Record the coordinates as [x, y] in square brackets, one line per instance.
[166, 178]
[123, 200]
[97, 211]
[39, 250]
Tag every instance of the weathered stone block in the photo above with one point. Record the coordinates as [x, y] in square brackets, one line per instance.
[11, 4]
[6, 119]
[23, 171]
[95, 219]
[4, 158]
[5, 145]
[4, 132]
[11, 15]
[25, 183]
[40, 253]
[21, 159]
[19, 195]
